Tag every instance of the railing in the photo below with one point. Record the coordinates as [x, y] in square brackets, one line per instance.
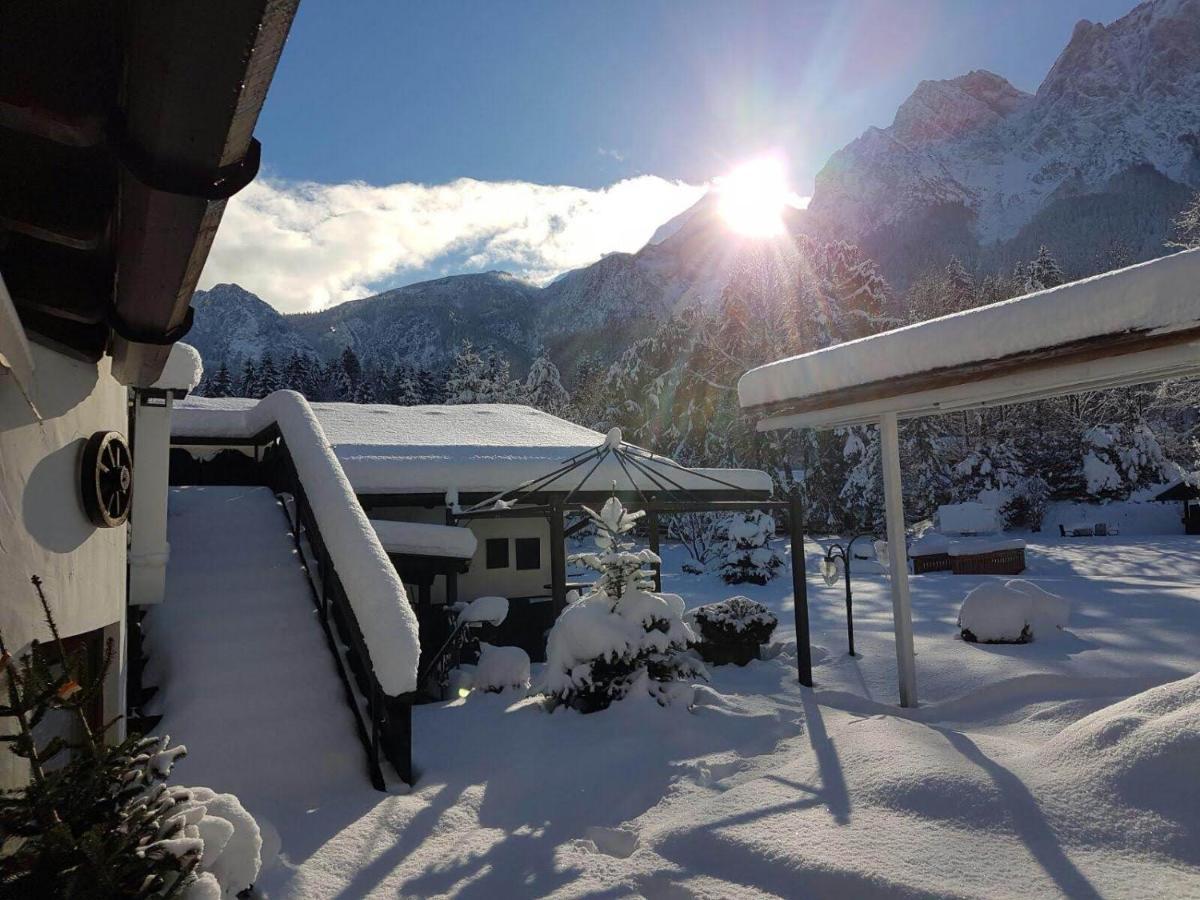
[384, 722]
[448, 655]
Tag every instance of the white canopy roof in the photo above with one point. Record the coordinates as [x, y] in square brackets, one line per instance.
[423, 539]
[1126, 327]
[468, 448]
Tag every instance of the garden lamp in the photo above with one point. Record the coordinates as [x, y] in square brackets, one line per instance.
[829, 572]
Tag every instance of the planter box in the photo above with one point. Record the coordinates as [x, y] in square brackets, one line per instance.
[931, 562]
[993, 562]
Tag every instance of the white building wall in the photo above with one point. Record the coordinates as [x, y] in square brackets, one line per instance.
[43, 528]
[480, 581]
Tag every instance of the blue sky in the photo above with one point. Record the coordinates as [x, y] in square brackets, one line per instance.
[373, 94]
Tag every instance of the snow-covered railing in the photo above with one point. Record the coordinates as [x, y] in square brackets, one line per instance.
[373, 588]
[358, 588]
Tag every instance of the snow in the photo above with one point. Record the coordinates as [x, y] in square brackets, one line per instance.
[183, 369]
[1059, 767]
[1152, 297]
[483, 448]
[492, 610]
[500, 668]
[984, 545]
[931, 543]
[1012, 611]
[373, 588]
[421, 539]
[968, 518]
[246, 679]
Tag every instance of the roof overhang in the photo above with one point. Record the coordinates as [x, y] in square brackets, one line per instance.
[1144, 326]
[124, 127]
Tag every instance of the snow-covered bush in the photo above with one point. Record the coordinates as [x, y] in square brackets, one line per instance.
[732, 630]
[501, 667]
[1026, 504]
[620, 636]
[746, 553]
[1013, 612]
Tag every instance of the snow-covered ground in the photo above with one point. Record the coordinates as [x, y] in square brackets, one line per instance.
[990, 789]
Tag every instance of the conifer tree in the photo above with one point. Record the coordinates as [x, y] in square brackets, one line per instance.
[221, 384]
[1185, 232]
[248, 385]
[543, 386]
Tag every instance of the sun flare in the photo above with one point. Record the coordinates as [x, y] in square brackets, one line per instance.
[753, 197]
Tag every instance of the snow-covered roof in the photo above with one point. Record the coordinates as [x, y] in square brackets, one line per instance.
[423, 539]
[469, 448]
[1130, 326]
[183, 369]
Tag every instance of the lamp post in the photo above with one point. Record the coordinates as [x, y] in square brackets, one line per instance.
[830, 574]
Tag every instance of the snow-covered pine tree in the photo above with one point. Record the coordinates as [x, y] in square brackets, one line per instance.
[1185, 233]
[960, 285]
[746, 555]
[927, 482]
[467, 381]
[97, 819]
[404, 386]
[1043, 272]
[543, 386]
[297, 375]
[432, 386]
[248, 384]
[861, 496]
[620, 636]
[269, 379]
[221, 384]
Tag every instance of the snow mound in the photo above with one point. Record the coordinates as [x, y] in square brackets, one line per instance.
[1011, 613]
[492, 610]
[182, 371]
[501, 667]
[1138, 759]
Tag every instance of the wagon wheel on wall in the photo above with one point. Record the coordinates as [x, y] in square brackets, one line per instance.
[106, 479]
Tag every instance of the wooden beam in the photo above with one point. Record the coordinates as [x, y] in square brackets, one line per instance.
[906, 665]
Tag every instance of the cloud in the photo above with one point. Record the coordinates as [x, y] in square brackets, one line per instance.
[303, 245]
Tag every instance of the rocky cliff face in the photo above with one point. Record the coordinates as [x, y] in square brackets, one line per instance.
[1120, 98]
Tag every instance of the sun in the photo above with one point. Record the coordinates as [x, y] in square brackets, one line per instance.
[753, 197]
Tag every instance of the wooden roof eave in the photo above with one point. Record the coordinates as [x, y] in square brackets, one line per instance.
[196, 76]
[1093, 364]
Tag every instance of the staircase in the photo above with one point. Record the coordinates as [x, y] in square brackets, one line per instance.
[245, 674]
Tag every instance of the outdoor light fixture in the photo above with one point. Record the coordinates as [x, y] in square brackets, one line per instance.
[829, 572]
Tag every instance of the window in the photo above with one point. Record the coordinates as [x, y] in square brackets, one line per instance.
[529, 553]
[497, 553]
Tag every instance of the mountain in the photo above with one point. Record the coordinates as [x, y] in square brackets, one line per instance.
[1094, 164]
[1108, 147]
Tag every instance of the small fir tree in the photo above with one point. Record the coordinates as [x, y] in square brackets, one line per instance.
[101, 823]
[620, 637]
[746, 554]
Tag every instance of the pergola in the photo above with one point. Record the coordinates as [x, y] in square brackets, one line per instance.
[1132, 326]
[642, 481]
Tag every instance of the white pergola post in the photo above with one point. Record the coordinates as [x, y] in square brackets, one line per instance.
[906, 664]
